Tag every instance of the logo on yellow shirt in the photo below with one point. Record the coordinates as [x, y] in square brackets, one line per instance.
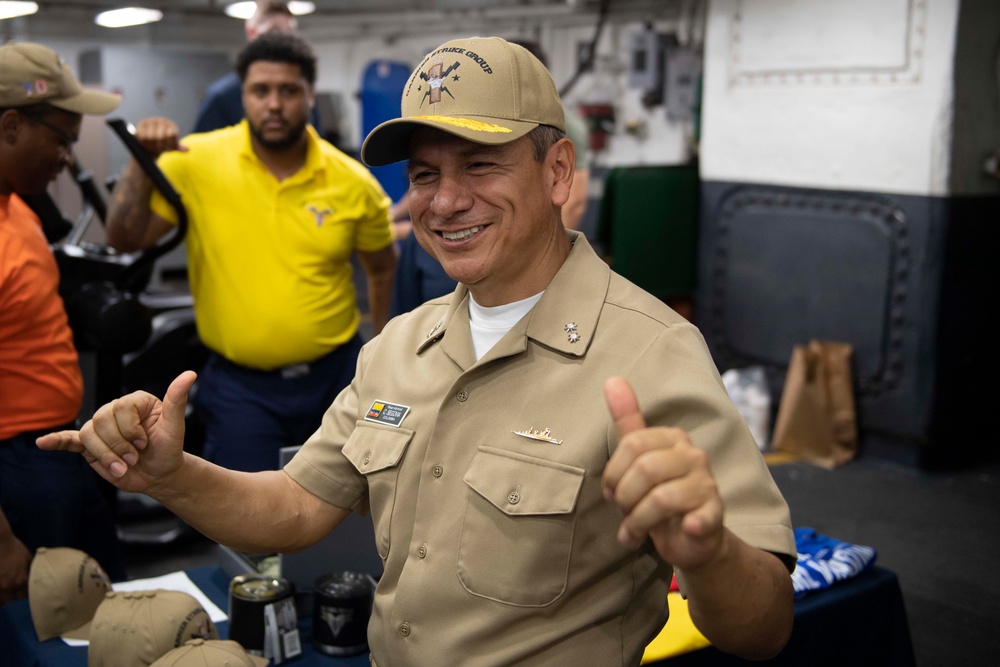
[319, 214]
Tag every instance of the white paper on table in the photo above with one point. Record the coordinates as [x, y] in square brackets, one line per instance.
[175, 581]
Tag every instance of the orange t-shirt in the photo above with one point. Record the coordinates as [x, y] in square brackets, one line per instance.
[40, 381]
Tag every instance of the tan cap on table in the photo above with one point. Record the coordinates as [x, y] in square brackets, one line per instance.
[65, 588]
[210, 653]
[137, 628]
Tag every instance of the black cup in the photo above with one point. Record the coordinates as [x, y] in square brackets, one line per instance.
[342, 604]
[250, 596]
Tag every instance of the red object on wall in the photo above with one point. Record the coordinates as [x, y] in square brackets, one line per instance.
[600, 121]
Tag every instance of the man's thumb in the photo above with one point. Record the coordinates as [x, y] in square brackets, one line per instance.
[175, 400]
[623, 406]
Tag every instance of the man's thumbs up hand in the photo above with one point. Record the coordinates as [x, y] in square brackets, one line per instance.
[662, 484]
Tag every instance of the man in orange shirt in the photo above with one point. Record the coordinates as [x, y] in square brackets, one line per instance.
[44, 500]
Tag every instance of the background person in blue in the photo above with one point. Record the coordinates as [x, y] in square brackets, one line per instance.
[222, 105]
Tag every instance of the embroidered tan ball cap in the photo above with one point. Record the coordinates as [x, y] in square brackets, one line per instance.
[210, 653]
[138, 628]
[483, 89]
[65, 588]
[35, 74]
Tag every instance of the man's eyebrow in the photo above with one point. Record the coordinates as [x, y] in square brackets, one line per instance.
[471, 152]
[487, 150]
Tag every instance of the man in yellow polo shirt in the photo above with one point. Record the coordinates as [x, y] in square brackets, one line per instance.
[275, 213]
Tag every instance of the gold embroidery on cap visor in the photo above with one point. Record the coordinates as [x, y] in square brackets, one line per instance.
[389, 142]
[465, 123]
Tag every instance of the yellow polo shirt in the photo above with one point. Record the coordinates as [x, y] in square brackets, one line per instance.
[269, 261]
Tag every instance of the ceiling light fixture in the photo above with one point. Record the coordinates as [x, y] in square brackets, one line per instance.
[13, 8]
[128, 16]
[244, 10]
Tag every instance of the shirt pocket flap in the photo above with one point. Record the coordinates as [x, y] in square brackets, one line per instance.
[372, 447]
[524, 485]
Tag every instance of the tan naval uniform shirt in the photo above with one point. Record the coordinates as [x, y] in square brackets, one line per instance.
[499, 548]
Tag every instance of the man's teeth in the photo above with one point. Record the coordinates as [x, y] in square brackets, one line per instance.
[464, 234]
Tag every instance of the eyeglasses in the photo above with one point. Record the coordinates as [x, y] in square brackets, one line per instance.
[66, 140]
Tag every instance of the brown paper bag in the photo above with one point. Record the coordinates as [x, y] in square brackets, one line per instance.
[816, 417]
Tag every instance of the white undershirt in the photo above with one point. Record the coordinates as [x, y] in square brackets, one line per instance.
[489, 325]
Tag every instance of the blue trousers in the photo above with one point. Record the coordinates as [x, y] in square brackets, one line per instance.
[52, 499]
[250, 414]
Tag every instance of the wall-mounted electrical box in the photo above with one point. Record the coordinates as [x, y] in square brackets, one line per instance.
[646, 59]
[681, 84]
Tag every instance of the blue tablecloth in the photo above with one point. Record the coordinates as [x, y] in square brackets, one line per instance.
[859, 622]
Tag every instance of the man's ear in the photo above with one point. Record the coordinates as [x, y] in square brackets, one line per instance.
[562, 161]
[10, 125]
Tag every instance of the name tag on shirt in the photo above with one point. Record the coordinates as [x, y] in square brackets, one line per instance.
[387, 413]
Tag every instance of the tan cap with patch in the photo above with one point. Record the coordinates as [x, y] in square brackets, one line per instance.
[35, 74]
[483, 89]
[65, 588]
[137, 628]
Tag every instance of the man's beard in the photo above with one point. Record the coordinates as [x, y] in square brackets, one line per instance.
[293, 136]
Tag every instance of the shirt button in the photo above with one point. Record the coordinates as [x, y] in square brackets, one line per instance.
[368, 459]
[404, 629]
[463, 396]
[422, 551]
[437, 471]
[513, 497]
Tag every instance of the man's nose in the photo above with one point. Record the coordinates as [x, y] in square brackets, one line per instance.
[452, 196]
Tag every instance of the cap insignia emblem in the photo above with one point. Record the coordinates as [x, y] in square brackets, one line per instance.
[36, 87]
[435, 78]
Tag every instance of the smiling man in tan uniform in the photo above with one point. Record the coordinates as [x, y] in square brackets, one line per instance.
[524, 515]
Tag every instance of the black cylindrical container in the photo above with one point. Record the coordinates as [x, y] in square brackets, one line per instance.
[262, 616]
[342, 605]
